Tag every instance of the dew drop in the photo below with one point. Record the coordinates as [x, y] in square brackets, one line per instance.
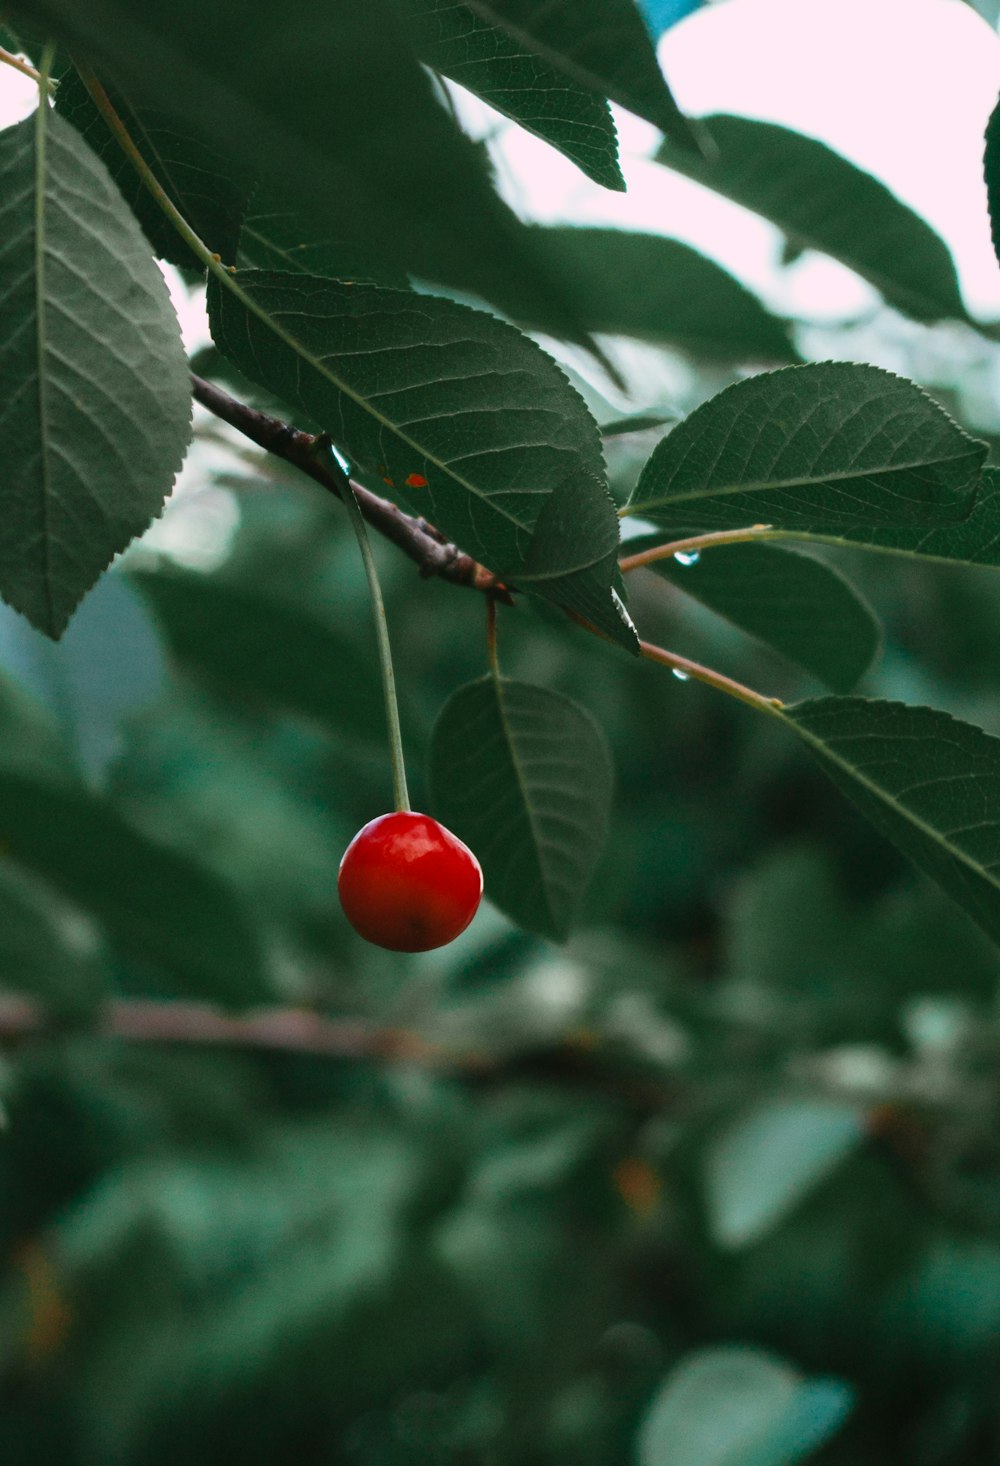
[681, 676]
[688, 557]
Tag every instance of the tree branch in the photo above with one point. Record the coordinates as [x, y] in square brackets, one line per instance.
[415, 537]
[567, 1063]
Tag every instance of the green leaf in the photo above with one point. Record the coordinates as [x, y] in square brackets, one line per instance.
[463, 417]
[173, 915]
[275, 237]
[818, 449]
[46, 951]
[974, 540]
[97, 424]
[265, 650]
[196, 177]
[602, 45]
[523, 776]
[91, 692]
[991, 168]
[657, 289]
[344, 127]
[732, 1406]
[822, 202]
[768, 1160]
[930, 783]
[802, 608]
[459, 43]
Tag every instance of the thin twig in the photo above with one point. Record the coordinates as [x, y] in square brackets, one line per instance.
[414, 537]
[708, 675]
[693, 545]
[7, 58]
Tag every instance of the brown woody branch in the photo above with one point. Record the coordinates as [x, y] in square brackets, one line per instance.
[415, 537]
[568, 1063]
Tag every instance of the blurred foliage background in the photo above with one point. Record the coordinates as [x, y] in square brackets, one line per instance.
[716, 1184]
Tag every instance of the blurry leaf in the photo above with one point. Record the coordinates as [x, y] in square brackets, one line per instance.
[599, 44]
[991, 166]
[30, 740]
[196, 177]
[160, 906]
[309, 1299]
[763, 1164]
[524, 777]
[352, 112]
[455, 40]
[821, 448]
[235, 787]
[46, 952]
[730, 1406]
[930, 783]
[821, 201]
[659, 290]
[639, 422]
[479, 443]
[106, 667]
[92, 438]
[949, 1301]
[828, 967]
[266, 650]
[802, 608]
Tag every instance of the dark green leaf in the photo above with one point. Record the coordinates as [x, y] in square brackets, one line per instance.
[974, 540]
[930, 783]
[660, 290]
[196, 177]
[455, 40]
[991, 166]
[523, 776]
[97, 427]
[603, 45]
[821, 448]
[802, 608]
[479, 441]
[821, 201]
[277, 238]
[46, 951]
[733, 1406]
[160, 906]
[265, 650]
[343, 126]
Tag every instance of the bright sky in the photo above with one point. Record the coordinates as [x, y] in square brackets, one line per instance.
[901, 87]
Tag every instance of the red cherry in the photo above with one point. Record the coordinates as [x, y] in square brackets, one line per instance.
[409, 884]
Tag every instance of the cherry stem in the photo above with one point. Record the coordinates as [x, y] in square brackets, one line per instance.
[693, 545]
[708, 675]
[399, 789]
[195, 243]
